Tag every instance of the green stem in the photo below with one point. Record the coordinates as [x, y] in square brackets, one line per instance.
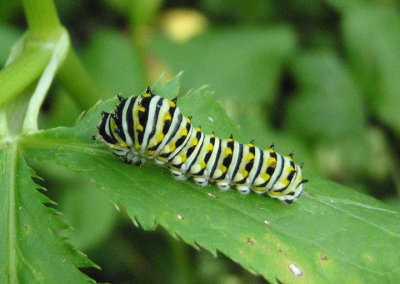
[17, 76]
[42, 18]
[12, 235]
[74, 78]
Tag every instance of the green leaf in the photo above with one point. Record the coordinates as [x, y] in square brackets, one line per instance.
[372, 39]
[328, 104]
[30, 250]
[169, 89]
[332, 234]
[119, 69]
[328, 110]
[248, 60]
[85, 208]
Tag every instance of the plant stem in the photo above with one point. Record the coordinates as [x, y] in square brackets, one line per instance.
[17, 76]
[11, 162]
[42, 18]
[74, 78]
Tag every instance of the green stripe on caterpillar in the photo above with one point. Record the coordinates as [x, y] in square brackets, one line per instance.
[151, 127]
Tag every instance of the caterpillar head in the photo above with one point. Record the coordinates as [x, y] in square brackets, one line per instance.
[108, 136]
[290, 184]
[295, 188]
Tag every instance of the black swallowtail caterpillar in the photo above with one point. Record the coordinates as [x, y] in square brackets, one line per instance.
[149, 126]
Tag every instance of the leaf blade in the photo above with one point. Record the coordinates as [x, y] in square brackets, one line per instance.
[30, 250]
[308, 241]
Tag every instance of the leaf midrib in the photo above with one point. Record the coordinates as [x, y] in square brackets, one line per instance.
[12, 224]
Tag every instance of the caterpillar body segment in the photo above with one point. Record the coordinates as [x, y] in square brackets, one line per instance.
[151, 127]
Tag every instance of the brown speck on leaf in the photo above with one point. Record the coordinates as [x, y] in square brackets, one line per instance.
[324, 257]
[251, 241]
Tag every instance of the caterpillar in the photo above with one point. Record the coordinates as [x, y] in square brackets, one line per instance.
[151, 127]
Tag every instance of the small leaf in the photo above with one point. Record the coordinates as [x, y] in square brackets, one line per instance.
[329, 104]
[372, 39]
[253, 68]
[30, 251]
[115, 63]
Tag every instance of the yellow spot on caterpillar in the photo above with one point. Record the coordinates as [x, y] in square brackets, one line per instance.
[183, 157]
[151, 152]
[137, 146]
[275, 193]
[258, 188]
[139, 127]
[160, 158]
[167, 116]
[112, 146]
[195, 141]
[250, 156]
[171, 103]
[228, 151]
[184, 132]
[223, 169]
[142, 109]
[290, 169]
[210, 147]
[212, 135]
[123, 144]
[160, 137]
[245, 173]
[172, 147]
[147, 95]
[198, 129]
[203, 164]
[286, 182]
[271, 162]
[266, 177]
[271, 150]
[229, 140]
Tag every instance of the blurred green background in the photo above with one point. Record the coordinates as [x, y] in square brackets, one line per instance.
[321, 78]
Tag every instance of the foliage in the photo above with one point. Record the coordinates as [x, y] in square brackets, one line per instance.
[317, 78]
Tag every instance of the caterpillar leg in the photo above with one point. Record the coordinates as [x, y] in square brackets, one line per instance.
[136, 160]
[223, 185]
[159, 162]
[243, 189]
[202, 181]
[178, 175]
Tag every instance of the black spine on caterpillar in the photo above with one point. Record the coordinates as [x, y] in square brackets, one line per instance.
[151, 127]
